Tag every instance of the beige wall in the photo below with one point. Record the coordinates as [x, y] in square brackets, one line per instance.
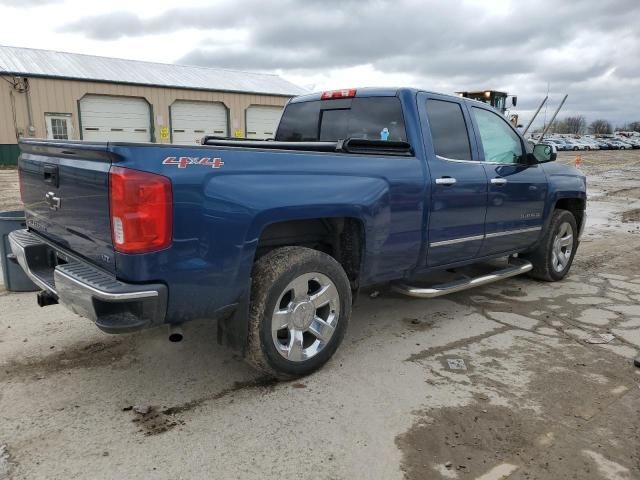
[61, 96]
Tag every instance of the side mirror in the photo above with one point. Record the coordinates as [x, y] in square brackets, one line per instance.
[543, 153]
[514, 100]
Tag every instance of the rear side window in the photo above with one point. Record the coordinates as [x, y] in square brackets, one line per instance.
[448, 130]
[370, 118]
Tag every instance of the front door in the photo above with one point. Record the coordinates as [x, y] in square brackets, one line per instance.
[517, 190]
[458, 187]
[59, 126]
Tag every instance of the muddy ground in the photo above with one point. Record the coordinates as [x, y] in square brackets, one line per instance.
[497, 382]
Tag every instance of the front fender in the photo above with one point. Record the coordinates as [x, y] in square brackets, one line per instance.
[565, 182]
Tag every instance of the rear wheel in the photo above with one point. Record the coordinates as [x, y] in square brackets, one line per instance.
[554, 255]
[299, 312]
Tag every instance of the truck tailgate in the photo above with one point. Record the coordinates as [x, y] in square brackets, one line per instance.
[65, 190]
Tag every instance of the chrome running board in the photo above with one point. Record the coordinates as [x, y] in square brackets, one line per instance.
[517, 266]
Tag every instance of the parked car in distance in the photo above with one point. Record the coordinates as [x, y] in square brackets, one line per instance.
[610, 144]
[631, 142]
[618, 144]
[602, 144]
[571, 145]
[589, 143]
[579, 144]
[557, 142]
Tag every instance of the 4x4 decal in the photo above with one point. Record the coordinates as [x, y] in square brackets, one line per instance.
[184, 162]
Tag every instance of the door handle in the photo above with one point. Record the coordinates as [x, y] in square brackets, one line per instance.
[445, 181]
[498, 181]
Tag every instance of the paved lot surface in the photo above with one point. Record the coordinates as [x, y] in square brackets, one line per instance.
[535, 401]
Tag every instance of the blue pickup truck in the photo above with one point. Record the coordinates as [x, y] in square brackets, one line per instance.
[273, 239]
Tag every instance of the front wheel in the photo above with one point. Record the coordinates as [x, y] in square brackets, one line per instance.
[299, 312]
[553, 256]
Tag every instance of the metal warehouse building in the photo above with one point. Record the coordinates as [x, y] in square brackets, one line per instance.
[56, 95]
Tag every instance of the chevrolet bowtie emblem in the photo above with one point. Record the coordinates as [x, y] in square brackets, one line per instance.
[52, 201]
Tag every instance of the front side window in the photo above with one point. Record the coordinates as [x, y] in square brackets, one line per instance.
[499, 142]
[370, 118]
[448, 130]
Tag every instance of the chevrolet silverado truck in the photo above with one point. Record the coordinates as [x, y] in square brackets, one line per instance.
[273, 239]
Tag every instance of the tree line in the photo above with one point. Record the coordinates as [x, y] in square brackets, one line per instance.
[577, 125]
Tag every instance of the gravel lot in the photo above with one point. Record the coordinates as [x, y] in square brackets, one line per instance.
[535, 401]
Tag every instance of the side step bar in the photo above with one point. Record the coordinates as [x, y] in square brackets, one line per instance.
[517, 267]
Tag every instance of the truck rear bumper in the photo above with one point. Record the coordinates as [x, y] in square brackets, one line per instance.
[114, 306]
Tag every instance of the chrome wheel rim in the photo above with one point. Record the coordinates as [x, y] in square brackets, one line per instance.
[562, 247]
[305, 317]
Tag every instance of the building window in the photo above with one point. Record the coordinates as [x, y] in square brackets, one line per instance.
[59, 129]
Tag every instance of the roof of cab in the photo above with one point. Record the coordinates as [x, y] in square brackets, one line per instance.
[378, 92]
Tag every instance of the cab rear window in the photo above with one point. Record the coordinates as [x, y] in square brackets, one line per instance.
[370, 118]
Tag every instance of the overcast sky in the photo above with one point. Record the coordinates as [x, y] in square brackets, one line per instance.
[589, 49]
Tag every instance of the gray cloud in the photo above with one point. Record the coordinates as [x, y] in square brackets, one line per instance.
[27, 3]
[107, 27]
[590, 49]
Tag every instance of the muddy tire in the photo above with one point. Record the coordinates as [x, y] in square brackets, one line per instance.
[299, 311]
[554, 255]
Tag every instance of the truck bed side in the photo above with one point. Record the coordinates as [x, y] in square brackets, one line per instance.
[220, 213]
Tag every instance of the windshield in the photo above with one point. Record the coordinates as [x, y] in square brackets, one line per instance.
[369, 118]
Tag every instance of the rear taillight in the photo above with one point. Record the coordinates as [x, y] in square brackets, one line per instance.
[330, 95]
[141, 210]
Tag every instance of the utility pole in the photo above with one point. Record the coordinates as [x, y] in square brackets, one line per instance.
[553, 118]
[535, 115]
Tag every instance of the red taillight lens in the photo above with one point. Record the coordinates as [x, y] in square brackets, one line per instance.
[141, 210]
[348, 93]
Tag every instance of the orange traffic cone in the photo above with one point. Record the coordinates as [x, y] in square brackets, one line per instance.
[578, 161]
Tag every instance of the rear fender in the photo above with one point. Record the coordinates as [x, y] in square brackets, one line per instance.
[304, 197]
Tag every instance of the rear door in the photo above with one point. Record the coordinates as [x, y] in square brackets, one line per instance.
[65, 189]
[517, 191]
[458, 200]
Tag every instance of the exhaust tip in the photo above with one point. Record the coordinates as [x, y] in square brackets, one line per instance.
[175, 334]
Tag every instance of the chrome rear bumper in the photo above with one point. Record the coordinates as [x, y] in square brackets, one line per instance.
[114, 306]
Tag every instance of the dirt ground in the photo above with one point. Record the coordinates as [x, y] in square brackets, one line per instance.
[497, 382]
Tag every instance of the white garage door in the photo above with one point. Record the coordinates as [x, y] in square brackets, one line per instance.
[190, 121]
[124, 119]
[262, 121]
